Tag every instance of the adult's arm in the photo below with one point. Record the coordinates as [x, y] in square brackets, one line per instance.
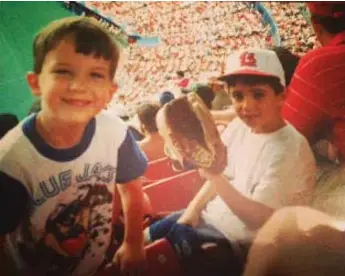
[298, 241]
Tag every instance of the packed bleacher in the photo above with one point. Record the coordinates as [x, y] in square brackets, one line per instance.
[195, 38]
[295, 32]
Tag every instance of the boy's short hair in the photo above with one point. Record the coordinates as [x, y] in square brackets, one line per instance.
[255, 66]
[256, 80]
[147, 116]
[90, 37]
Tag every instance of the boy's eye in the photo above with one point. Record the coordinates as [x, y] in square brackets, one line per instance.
[62, 72]
[97, 75]
[258, 95]
[237, 96]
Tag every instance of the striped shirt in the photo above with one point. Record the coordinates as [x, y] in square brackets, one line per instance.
[315, 103]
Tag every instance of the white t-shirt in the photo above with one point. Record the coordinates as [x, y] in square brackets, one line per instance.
[67, 225]
[275, 169]
[118, 109]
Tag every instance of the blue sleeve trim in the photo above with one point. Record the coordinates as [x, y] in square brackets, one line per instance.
[14, 203]
[131, 162]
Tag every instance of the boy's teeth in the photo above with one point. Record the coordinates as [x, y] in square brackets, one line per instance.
[77, 102]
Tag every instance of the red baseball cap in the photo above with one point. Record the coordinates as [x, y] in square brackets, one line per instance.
[253, 61]
[327, 9]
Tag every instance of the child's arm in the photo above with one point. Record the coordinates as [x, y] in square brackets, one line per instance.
[254, 214]
[192, 214]
[131, 255]
[282, 184]
[132, 163]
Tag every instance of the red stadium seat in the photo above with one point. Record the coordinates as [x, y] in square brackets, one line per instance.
[159, 169]
[167, 195]
[162, 260]
[173, 193]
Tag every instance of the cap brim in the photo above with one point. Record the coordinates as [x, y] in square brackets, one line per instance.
[246, 72]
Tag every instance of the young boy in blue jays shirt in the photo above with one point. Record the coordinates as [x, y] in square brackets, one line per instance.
[59, 167]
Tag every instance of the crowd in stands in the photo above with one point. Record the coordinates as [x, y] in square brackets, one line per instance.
[195, 38]
[294, 30]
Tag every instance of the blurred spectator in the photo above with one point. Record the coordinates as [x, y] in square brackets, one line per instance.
[166, 97]
[152, 144]
[7, 122]
[288, 60]
[118, 107]
[181, 81]
[206, 94]
[222, 99]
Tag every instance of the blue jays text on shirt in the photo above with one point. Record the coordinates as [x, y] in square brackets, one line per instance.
[58, 183]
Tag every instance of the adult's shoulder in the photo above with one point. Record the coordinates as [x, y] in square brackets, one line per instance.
[319, 59]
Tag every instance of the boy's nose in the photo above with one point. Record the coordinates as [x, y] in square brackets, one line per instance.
[248, 103]
[78, 85]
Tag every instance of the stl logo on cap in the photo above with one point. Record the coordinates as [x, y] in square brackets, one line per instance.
[248, 59]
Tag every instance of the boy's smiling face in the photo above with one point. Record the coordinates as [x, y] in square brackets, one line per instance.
[73, 87]
[258, 106]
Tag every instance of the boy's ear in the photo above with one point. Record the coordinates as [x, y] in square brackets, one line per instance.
[32, 79]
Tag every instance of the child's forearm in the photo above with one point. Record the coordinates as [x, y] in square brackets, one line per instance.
[132, 205]
[205, 194]
[254, 214]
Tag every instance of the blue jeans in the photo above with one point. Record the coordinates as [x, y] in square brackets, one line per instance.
[188, 244]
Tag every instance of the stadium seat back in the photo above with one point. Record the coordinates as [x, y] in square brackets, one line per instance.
[173, 193]
[159, 169]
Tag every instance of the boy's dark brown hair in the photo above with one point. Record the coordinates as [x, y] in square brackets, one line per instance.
[273, 82]
[89, 36]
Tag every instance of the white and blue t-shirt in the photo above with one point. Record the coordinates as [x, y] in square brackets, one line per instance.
[56, 204]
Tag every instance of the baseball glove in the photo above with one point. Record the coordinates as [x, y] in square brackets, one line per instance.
[193, 134]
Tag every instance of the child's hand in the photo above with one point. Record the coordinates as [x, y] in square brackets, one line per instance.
[130, 259]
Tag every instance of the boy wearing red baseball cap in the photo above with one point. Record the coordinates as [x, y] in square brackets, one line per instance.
[261, 175]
